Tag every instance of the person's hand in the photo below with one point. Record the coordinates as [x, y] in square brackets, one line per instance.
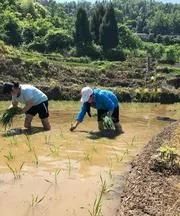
[72, 128]
[109, 114]
[19, 110]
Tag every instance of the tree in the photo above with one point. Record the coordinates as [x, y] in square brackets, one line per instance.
[171, 55]
[57, 40]
[28, 7]
[82, 36]
[28, 34]
[128, 39]
[109, 30]
[12, 31]
[96, 21]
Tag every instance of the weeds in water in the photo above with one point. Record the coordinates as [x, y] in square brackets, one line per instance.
[9, 156]
[28, 142]
[16, 172]
[56, 175]
[169, 155]
[36, 200]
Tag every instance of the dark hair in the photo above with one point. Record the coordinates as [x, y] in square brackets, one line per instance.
[16, 84]
[8, 86]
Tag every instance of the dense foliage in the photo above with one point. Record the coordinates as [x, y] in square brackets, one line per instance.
[100, 30]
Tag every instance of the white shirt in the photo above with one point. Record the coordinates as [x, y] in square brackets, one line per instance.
[30, 93]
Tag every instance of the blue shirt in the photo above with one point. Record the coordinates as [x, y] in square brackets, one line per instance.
[103, 99]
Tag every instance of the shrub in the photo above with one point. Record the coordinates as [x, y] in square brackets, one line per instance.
[57, 40]
[115, 55]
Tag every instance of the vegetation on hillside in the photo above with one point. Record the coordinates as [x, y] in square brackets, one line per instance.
[100, 31]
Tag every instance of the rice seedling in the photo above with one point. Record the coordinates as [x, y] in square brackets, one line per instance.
[97, 205]
[61, 133]
[14, 140]
[110, 169]
[57, 171]
[54, 149]
[69, 165]
[87, 156]
[47, 139]
[110, 173]
[94, 148]
[108, 123]
[118, 158]
[126, 152]
[9, 156]
[132, 142]
[104, 187]
[28, 142]
[6, 118]
[36, 200]
[35, 156]
[16, 172]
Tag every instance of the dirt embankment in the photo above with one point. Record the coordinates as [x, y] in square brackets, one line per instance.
[63, 80]
[148, 192]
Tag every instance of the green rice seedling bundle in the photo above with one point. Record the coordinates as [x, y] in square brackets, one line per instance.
[108, 123]
[6, 118]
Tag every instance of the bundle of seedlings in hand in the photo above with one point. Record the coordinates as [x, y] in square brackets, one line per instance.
[108, 123]
[6, 118]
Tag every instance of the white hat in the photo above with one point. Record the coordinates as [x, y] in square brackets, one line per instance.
[86, 92]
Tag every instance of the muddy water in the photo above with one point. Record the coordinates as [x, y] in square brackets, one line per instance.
[63, 172]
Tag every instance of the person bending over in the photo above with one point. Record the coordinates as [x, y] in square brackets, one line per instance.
[35, 102]
[104, 101]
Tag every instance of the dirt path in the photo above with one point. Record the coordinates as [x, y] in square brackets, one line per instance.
[152, 193]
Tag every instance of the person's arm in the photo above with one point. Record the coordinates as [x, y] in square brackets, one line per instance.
[28, 106]
[14, 103]
[79, 118]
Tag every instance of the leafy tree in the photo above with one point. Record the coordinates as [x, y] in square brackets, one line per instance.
[128, 39]
[28, 34]
[109, 30]
[13, 31]
[57, 40]
[96, 21]
[28, 7]
[171, 55]
[82, 36]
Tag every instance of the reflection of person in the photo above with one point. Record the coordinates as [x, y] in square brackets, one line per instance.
[104, 101]
[35, 102]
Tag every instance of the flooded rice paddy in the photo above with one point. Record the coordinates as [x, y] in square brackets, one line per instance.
[64, 173]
